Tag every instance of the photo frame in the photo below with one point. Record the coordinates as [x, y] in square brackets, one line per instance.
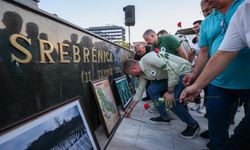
[64, 126]
[123, 90]
[104, 97]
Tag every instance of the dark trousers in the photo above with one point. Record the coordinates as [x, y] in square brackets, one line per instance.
[219, 111]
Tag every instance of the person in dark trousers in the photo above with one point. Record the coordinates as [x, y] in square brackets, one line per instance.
[167, 73]
[165, 43]
[227, 86]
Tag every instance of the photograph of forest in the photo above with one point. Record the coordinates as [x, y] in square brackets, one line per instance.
[61, 129]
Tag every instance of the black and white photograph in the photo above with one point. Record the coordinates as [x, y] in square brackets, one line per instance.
[62, 128]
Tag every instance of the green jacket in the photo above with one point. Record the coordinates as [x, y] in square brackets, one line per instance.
[155, 66]
[168, 43]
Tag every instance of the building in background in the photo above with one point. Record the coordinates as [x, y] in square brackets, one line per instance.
[112, 33]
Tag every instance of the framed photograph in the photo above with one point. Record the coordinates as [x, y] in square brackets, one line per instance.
[106, 103]
[62, 127]
[124, 92]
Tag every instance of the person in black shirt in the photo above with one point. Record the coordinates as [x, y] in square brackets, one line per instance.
[141, 50]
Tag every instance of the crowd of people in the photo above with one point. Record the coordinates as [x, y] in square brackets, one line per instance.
[216, 64]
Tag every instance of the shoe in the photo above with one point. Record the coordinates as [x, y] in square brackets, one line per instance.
[196, 107]
[205, 134]
[190, 132]
[145, 99]
[159, 120]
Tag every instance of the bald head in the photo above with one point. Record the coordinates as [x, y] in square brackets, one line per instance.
[140, 49]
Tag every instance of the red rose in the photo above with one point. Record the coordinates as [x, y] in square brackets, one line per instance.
[179, 24]
[156, 50]
[146, 106]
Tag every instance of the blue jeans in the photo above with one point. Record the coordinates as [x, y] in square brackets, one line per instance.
[157, 87]
[219, 113]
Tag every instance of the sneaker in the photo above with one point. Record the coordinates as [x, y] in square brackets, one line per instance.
[190, 132]
[205, 134]
[196, 107]
[159, 120]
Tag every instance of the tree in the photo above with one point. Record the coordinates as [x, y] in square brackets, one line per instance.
[123, 44]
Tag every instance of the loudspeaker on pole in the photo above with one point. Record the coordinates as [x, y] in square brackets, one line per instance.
[129, 15]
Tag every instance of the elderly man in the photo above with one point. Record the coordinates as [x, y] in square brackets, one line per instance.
[141, 50]
[167, 71]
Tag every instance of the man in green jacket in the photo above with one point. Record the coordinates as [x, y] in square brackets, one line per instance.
[167, 43]
[167, 71]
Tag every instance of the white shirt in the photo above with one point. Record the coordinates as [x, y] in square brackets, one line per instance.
[238, 32]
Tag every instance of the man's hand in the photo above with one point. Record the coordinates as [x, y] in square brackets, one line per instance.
[169, 99]
[190, 93]
[191, 52]
[191, 55]
[188, 79]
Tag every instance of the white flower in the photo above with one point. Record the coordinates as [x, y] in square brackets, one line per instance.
[153, 73]
[163, 49]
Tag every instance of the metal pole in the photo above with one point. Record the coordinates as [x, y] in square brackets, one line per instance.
[185, 37]
[129, 37]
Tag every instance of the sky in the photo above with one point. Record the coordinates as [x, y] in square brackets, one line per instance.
[156, 14]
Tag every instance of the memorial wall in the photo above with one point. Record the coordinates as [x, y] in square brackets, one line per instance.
[46, 61]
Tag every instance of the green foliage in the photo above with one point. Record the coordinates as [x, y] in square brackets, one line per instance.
[123, 44]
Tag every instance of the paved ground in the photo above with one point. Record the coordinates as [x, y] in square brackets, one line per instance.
[139, 134]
